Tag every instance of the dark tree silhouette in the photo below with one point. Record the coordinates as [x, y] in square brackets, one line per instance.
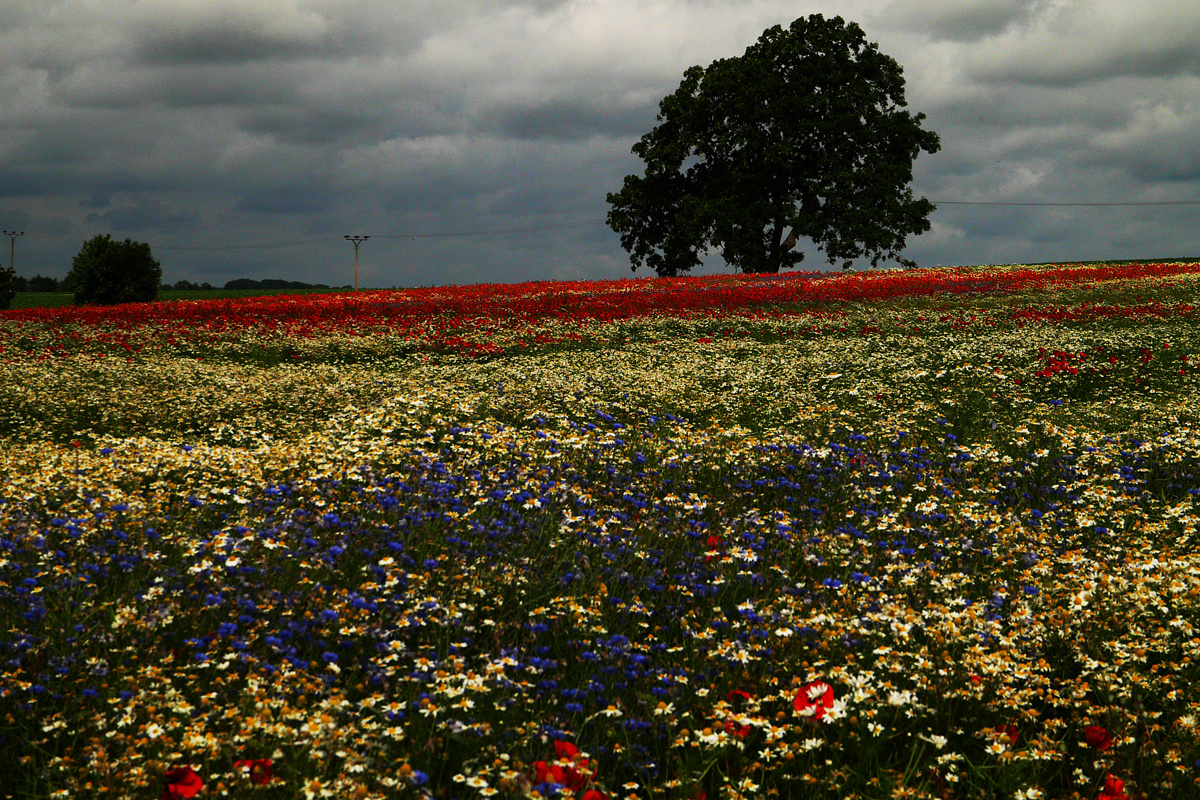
[802, 136]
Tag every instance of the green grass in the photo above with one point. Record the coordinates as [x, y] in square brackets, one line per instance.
[60, 299]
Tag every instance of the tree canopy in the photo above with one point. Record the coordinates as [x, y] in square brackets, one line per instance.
[107, 272]
[805, 135]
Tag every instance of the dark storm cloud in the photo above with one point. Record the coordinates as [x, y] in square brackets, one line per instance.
[224, 41]
[184, 122]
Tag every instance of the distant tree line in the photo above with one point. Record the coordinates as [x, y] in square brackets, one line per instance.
[38, 283]
[41, 283]
[274, 284]
[110, 272]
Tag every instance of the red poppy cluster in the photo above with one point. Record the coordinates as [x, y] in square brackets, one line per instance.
[576, 774]
[1060, 361]
[1114, 789]
[185, 782]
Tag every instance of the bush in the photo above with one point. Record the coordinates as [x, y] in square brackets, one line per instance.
[106, 272]
[8, 286]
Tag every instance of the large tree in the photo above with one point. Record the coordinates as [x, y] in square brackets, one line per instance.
[805, 135]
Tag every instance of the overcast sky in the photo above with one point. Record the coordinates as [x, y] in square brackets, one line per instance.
[286, 124]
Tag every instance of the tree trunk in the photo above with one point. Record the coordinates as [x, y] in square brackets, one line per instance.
[775, 251]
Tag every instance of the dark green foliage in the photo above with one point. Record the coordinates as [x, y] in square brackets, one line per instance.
[8, 286]
[802, 136]
[271, 283]
[106, 272]
[41, 283]
[188, 286]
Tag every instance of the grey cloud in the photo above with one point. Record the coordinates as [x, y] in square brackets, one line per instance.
[1073, 44]
[117, 86]
[18, 182]
[1156, 144]
[143, 215]
[302, 126]
[224, 43]
[1080, 66]
[298, 199]
[959, 20]
[566, 119]
[96, 200]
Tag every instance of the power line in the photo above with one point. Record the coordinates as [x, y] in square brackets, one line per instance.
[446, 235]
[260, 246]
[587, 223]
[505, 231]
[990, 203]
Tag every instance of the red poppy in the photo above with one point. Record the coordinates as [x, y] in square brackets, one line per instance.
[712, 543]
[1114, 789]
[545, 772]
[259, 769]
[181, 782]
[565, 749]
[817, 696]
[1011, 732]
[735, 697]
[736, 729]
[1097, 736]
[574, 776]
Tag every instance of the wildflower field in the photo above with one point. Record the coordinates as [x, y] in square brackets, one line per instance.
[870, 535]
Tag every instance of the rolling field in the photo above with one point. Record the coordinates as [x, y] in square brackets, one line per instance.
[926, 534]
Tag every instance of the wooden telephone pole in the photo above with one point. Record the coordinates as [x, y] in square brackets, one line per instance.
[357, 241]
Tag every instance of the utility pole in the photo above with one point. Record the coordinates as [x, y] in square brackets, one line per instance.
[12, 250]
[357, 241]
